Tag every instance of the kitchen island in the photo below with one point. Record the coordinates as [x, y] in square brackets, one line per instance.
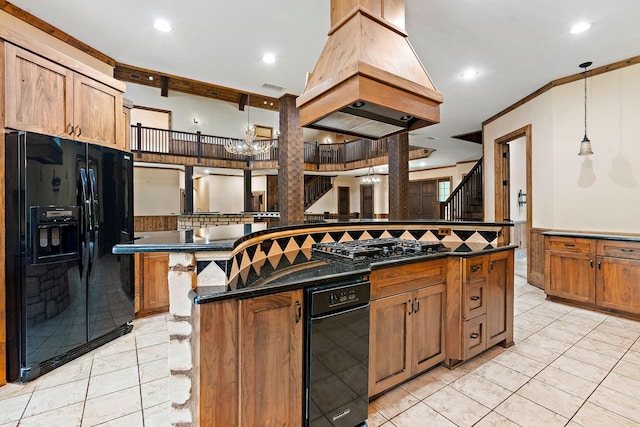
[237, 298]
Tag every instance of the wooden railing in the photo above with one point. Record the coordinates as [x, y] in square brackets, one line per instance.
[465, 202]
[201, 146]
[315, 186]
[198, 145]
[345, 152]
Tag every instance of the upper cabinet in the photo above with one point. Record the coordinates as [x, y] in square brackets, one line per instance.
[46, 97]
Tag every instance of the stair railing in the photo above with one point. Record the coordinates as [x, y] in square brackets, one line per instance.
[465, 202]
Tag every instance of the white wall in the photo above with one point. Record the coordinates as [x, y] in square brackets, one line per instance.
[517, 178]
[156, 191]
[594, 193]
[226, 194]
[214, 117]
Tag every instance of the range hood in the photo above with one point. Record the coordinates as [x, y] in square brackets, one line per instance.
[368, 81]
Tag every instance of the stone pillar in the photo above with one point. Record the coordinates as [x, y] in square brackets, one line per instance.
[188, 189]
[248, 200]
[399, 177]
[291, 161]
[182, 382]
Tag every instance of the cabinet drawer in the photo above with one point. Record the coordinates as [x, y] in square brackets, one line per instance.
[474, 299]
[474, 336]
[570, 244]
[405, 278]
[475, 268]
[618, 249]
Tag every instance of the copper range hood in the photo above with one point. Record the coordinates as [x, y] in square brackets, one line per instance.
[368, 81]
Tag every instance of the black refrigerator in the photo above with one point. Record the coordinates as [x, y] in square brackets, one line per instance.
[67, 204]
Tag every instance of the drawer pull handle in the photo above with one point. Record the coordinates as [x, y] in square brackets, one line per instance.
[474, 336]
[417, 308]
[475, 268]
[475, 298]
[599, 265]
[591, 263]
[569, 245]
[626, 250]
[70, 129]
[409, 307]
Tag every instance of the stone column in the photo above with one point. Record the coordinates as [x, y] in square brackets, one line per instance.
[248, 200]
[291, 161]
[399, 177]
[188, 189]
[182, 278]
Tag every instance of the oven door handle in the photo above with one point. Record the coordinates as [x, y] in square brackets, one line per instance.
[335, 313]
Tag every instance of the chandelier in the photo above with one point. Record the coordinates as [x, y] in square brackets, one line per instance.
[249, 145]
[371, 177]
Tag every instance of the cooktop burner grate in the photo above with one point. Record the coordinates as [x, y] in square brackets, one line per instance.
[362, 250]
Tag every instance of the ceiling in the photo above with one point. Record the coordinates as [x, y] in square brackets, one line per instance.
[516, 47]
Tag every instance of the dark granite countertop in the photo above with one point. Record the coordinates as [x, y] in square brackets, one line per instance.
[324, 270]
[226, 237]
[602, 236]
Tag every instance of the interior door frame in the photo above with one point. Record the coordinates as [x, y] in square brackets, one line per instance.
[502, 197]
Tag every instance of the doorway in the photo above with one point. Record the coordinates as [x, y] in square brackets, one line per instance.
[505, 198]
[423, 199]
[343, 203]
[366, 201]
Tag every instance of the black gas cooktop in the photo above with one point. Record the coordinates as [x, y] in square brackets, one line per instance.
[372, 249]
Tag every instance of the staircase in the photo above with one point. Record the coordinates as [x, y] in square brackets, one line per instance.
[465, 202]
[315, 186]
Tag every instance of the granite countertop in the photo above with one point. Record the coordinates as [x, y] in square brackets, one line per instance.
[325, 269]
[226, 237]
[588, 235]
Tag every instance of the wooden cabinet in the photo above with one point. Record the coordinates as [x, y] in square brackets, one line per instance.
[479, 304]
[601, 273]
[250, 366]
[152, 284]
[406, 327]
[271, 373]
[570, 270]
[46, 97]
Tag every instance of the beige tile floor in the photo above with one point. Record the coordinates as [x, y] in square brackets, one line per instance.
[568, 367]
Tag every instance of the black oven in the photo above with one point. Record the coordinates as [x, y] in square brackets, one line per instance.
[337, 354]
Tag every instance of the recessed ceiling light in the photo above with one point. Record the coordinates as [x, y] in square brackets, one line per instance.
[162, 25]
[268, 58]
[580, 27]
[470, 74]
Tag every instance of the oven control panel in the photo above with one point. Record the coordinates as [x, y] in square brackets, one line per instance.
[330, 298]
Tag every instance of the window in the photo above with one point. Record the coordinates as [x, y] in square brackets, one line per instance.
[444, 189]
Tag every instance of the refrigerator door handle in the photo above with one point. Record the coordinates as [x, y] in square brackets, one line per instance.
[93, 195]
[86, 219]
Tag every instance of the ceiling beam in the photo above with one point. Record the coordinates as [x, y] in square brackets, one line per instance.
[475, 136]
[244, 98]
[164, 86]
[38, 23]
[153, 78]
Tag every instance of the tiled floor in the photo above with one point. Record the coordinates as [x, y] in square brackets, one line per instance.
[568, 367]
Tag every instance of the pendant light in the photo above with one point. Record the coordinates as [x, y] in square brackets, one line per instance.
[585, 145]
[371, 177]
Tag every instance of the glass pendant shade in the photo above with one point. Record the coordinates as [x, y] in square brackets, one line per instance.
[371, 177]
[585, 147]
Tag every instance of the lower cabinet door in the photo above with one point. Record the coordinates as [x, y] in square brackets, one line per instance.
[389, 342]
[271, 371]
[571, 276]
[428, 328]
[618, 284]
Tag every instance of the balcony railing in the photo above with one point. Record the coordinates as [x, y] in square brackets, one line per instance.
[201, 146]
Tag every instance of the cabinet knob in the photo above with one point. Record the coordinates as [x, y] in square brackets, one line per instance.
[475, 298]
[474, 336]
